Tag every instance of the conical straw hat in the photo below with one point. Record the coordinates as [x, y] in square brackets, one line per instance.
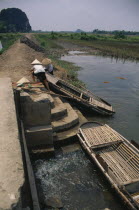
[46, 61]
[23, 80]
[36, 62]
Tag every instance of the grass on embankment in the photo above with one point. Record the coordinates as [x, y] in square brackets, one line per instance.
[7, 40]
[118, 49]
[46, 42]
[106, 45]
[67, 70]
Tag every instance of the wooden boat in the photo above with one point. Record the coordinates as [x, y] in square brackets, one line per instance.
[84, 98]
[116, 157]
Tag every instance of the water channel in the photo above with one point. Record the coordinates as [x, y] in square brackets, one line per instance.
[117, 83]
[73, 177]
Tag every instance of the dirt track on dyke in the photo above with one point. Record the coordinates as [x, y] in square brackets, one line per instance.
[16, 61]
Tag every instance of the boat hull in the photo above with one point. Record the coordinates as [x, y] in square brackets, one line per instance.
[81, 103]
[104, 166]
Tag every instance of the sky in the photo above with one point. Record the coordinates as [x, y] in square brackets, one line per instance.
[70, 15]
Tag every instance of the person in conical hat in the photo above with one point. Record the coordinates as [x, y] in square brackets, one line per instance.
[39, 72]
[47, 63]
[36, 62]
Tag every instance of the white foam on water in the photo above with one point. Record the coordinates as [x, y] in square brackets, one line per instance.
[1, 46]
[74, 179]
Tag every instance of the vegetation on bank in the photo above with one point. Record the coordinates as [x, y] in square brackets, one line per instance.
[119, 50]
[46, 41]
[97, 31]
[70, 71]
[7, 40]
[118, 45]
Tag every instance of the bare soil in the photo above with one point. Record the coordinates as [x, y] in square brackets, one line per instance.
[69, 46]
[16, 61]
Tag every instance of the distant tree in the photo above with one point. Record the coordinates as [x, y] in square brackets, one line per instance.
[96, 31]
[53, 35]
[71, 36]
[84, 36]
[119, 35]
[83, 33]
[79, 31]
[14, 20]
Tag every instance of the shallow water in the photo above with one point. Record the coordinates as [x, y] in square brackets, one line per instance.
[76, 52]
[75, 180]
[118, 84]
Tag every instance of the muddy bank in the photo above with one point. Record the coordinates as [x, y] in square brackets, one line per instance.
[70, 46]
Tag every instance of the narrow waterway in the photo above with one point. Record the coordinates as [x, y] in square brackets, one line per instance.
[76, 181]
[73, 177]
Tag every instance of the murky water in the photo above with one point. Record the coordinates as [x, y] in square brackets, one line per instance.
[73, 177]
[75, 180]
[118, 83]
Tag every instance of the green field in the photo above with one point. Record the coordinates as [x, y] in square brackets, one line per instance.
[118, 46]
[7, 40]
[71, 70]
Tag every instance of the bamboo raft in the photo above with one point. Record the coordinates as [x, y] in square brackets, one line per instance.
[83, 97]
[116, 157]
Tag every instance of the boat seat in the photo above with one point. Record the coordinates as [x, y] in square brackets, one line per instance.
[122, 163]
[100, 104]
[100, 136]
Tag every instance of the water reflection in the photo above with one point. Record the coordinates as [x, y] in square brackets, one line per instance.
[118, 83]
[76, 52]
[73, 177]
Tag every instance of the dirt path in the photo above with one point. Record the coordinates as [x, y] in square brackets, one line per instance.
[16, 61]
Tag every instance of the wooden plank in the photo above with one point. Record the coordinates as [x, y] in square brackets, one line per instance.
[104, 144]
[51, 78]
[120, 165]
[101, 136]
[85, 137]
[93, 100]
[100, 104]
[117, 170]
[123, 161]
[115, 164]
[128, 169]
[81, 95]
